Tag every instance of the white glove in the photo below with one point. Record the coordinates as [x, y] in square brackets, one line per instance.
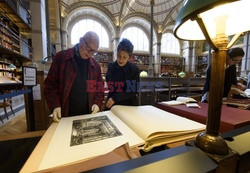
[95, 108]
[56, 114]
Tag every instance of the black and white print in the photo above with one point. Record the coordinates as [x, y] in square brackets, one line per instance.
[93, 129]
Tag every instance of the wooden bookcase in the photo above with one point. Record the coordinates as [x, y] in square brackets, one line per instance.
[104, 58]
[12, 44]
[202, 63]
[157, 89]
[141, 61]
[14, 20]
[171, 65]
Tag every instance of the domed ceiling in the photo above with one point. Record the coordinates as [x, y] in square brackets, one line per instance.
[164, 11]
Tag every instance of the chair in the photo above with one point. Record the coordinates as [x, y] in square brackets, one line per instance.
[6, 102]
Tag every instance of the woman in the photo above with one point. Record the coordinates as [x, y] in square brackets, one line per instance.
[234, 56]
[122, 77]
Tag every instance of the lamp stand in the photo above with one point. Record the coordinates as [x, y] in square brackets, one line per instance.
[210, 141]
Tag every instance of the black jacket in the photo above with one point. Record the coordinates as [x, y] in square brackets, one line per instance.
[128, 76]
[230, 78]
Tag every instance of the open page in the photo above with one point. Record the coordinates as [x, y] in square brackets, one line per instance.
[247, 92]
[180, 100]
[173, 102]
[83, 137]
[186, 100]
[151, 123]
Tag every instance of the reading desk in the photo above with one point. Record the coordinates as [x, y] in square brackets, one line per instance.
[231, 118]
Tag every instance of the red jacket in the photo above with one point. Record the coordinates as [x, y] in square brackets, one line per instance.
[60, 79]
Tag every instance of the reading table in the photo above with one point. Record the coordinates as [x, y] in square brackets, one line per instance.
[231, 118]
[190, 158]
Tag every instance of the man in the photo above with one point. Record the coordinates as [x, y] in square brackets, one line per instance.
[234, 56]
[66, 83]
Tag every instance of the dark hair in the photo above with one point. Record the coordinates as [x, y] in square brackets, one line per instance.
[234, 52]
[125, 45]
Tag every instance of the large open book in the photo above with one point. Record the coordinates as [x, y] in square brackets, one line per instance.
[87, 136]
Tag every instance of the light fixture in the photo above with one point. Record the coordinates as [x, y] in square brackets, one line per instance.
[46, 59]
[12, 66]
[213, 20]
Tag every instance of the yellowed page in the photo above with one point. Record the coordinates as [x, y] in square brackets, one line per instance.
[147, 120]
[60, 152]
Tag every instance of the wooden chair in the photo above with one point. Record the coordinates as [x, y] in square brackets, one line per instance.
[6, 102]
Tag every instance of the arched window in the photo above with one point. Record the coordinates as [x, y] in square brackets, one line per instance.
[85, 25]
[169, 44]
[137, 37]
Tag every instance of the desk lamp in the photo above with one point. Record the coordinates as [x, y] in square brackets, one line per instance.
[12, 67]
[214, 21]
[46, 59]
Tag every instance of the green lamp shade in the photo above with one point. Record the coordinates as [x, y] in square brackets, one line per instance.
[143, 74]
[232, 15]
[11, 66]
[182, 74]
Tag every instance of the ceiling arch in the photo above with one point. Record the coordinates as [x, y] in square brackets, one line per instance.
[88, 10]
[142, 23]
[118, 11]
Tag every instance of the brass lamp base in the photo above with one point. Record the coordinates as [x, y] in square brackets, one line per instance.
[211, 144]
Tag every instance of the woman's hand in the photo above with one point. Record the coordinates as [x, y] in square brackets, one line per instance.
[110, 103]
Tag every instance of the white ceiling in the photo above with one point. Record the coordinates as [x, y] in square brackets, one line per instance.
[165, 11]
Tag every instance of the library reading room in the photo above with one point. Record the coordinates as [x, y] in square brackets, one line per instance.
[163, 86]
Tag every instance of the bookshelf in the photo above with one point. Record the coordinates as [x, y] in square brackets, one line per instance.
[157, 89]
[171, 65]
[202, 64]
[104, 58]
[14, 48]
[141, 61]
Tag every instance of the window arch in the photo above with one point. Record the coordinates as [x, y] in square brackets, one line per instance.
[169, 44]
[85, 25]
[137, 37]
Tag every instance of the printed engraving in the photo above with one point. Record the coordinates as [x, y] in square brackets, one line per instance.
[92, 129]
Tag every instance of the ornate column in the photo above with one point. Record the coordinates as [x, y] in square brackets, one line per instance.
[245, 66]
[55, 26]
[157, 63]
[38, 118]
[39, 34]
[115, 44]
[64, 39]
[187, 55]
[150, 66]
[115, 41]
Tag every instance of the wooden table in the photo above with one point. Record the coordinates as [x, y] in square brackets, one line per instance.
[231, 118]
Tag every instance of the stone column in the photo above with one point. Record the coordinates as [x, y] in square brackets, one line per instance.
[150, 66]
[188, 55]
[39, 34]
[65, 39]
[192, 57]
[115, 42]
[185, 54]
[245, 66]
[197, 50]
[157, 60]
[55, 26]
[39, 110]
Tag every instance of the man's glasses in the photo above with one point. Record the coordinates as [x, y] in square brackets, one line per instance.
[89, 49]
